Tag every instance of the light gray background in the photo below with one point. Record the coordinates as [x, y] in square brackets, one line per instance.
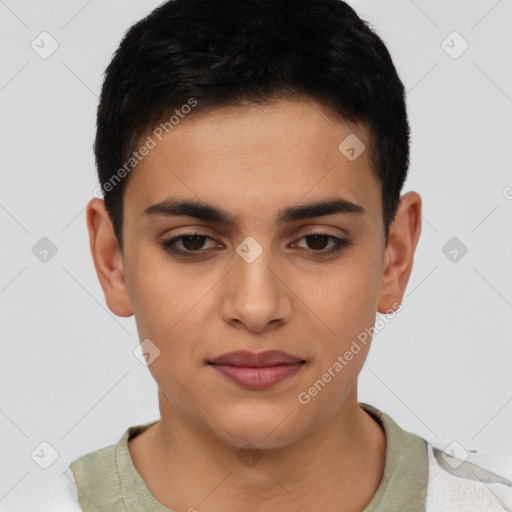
[441, 368]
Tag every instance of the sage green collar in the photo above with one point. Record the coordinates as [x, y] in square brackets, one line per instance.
[107, 480]
[403, 487]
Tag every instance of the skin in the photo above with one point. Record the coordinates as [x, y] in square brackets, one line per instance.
[253, 161]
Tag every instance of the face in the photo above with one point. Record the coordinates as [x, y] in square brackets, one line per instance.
[256, 270]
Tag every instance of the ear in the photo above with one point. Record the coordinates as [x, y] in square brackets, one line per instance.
[404, 234]
[108, 260]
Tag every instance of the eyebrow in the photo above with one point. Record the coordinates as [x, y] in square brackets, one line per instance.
[199, 210]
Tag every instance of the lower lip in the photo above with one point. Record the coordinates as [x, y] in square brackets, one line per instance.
[258, 378]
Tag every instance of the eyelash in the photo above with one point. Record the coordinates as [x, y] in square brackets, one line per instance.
[340, 245]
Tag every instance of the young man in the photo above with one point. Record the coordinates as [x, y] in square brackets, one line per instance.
[251, 155]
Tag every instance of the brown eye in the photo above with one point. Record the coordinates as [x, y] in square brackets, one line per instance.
[317, 243]
[192, 244]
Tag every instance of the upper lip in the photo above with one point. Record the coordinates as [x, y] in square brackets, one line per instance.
[257, 360]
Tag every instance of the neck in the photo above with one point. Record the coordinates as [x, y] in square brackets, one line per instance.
[184, 467]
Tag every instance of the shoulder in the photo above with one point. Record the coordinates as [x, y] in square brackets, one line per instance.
[461, 481]
[48, 494]
[94, 471]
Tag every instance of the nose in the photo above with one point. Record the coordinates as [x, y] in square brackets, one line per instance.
[255, 293]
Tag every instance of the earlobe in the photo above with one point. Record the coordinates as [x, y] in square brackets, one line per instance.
[107, 257]
[404, 234]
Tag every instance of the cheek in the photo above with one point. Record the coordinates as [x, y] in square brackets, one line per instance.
[342, 308]
[344, 299]
[165, 294]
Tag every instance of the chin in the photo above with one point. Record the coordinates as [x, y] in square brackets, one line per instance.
[264, 430]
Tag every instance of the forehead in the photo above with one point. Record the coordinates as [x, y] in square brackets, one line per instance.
[257, 158]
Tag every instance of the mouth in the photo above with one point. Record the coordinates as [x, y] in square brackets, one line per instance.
[257, 371]
[256, 360]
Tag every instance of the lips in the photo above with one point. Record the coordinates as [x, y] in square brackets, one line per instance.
[255, 360]
[256, 371]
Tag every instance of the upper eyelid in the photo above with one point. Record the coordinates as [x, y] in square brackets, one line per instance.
[203, 231]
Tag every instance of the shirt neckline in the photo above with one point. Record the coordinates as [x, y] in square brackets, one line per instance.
[403, 485]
